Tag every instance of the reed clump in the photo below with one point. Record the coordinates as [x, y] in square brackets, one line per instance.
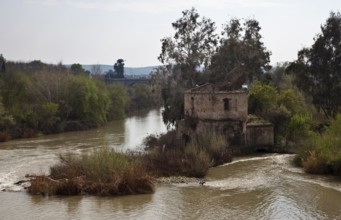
[169, 156]
[102, 172]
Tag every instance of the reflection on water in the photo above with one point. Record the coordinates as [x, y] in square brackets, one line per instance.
[262, 187]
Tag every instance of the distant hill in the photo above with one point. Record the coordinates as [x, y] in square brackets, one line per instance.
[136, 71]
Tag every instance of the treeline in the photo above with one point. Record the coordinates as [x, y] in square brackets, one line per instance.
[38, 98]
[300, 98]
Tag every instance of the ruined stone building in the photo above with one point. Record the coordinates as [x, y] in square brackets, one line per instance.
[214, 109]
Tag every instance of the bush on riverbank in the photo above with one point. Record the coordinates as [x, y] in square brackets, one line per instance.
[169, 156]
[322, 152]
[103, 172]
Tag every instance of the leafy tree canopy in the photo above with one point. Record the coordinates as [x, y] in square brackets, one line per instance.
[242, 55]
[318, 68]
[77, 69]
[119, 68]
[2, 64]
[192, 45]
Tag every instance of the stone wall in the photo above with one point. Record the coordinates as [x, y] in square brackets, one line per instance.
[212, 110]
[233, 130]
[260, 135]
[217, 105]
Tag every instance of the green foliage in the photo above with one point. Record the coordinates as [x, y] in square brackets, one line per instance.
[86, 100]
[49, 100]
[173, 96]
[193, 42]
[290, 100]
[299, 126]
[2, 64]
[167, 81]
[283, 109]
[77, 69]
[191, 46]
[241, 56]
[140, 97]
[14, 87]
[48, 116]
[318, 69]
[322, 152]
[118, 97]
[263, 98]
[41, 98]
[6, 120]
[119, 68]
[45, 86]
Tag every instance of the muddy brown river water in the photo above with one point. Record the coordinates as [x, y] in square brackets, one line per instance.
[257, 187]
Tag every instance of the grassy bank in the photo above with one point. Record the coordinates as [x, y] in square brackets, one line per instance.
[321, 153]
[103, 172]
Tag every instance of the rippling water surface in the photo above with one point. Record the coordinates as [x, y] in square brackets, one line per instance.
[261, 187]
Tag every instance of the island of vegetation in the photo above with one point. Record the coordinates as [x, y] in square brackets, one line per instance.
[300, 99]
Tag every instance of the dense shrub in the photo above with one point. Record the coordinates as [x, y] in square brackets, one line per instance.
[167, 155]
[40, 98]
[285, 109]
[86, 99]
[322, 152]
[141, 97]
[118, 97]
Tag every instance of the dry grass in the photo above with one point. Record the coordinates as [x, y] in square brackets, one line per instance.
[315, 164]
[103, 172]
[322, 152]
[168, 156]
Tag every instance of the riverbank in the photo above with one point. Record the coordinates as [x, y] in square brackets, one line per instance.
[321, 153]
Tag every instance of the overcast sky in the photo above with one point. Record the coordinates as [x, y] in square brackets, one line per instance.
[101, 31]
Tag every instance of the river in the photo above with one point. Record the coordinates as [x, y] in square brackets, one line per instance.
[258, 187]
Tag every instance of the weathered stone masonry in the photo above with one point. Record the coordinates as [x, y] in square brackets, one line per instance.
[208, 103]
[212, 109]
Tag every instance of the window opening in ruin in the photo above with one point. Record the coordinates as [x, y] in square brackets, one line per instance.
[226, 104]
[192, 105]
